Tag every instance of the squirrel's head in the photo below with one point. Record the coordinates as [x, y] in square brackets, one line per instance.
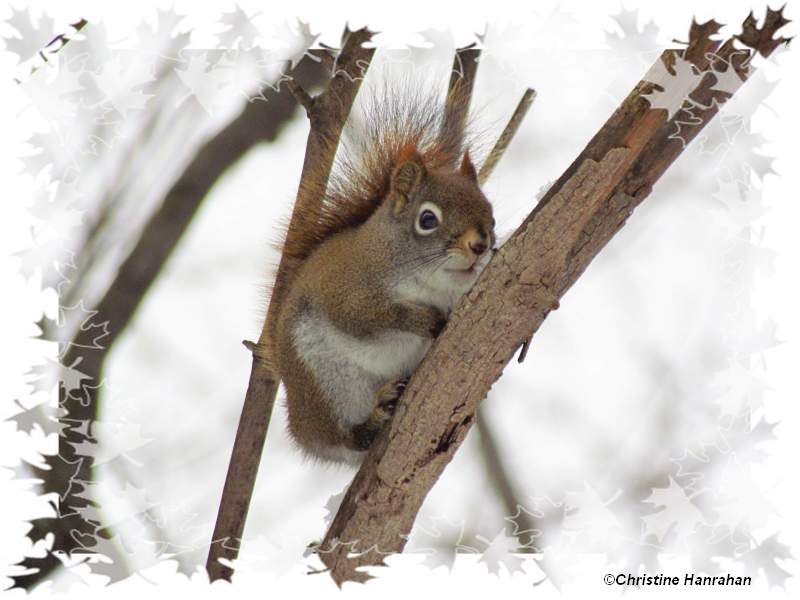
[444, 212]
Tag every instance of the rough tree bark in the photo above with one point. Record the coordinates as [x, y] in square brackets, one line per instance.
[580, 213]
[69, 472]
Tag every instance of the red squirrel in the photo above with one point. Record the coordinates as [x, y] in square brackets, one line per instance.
[403, 233]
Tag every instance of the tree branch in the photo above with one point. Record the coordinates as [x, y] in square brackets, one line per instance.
[303, 98]
[327, 114]
[523, 282]
[508, 134]
[459, 89]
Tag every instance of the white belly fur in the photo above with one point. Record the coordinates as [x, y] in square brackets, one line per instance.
[350, 370]
[439, 290]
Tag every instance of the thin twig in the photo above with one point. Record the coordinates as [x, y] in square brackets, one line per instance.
[327, 115]
[508, 134]
[524, 350]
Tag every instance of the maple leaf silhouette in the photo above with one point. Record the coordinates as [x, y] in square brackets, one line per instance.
[82, 318]
[48, 375]
[632, 39]
[115, 439]
[528, 536]
[762, 39]
[239, 30]
[31, 38]
[679, 514]
[729, 80]
[764, 557]
[440, 538]
[203, 79]
[500, 551]
[587, 516]
[36, 417]
[675, 86]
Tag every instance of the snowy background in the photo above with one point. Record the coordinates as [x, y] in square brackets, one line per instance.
[647, 419]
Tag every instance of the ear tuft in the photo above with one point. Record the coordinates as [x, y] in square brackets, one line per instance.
[467, 169]
[407, 175]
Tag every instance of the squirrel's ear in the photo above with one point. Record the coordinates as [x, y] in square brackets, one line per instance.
[467, 168]
[406, 176]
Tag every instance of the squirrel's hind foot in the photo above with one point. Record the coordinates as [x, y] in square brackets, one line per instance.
[389, 393]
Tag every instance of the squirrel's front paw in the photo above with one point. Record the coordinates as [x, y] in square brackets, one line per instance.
[419, 319]
[438, 321]
[390, 393]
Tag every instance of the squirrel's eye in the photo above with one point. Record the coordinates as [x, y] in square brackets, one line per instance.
[428, 220]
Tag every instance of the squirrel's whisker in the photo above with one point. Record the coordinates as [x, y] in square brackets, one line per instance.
[421, 259]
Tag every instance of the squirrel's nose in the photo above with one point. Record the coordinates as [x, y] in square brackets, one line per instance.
[477, 247]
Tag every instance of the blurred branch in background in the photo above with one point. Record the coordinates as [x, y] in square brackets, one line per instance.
[162, 126]
[498, 474]
[70, 473]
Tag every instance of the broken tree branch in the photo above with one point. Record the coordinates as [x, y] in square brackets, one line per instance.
[327, 113]
[459, 89]
[523, 282]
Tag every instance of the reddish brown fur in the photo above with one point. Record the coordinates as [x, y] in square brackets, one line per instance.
[403, 150]
[395, 123]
